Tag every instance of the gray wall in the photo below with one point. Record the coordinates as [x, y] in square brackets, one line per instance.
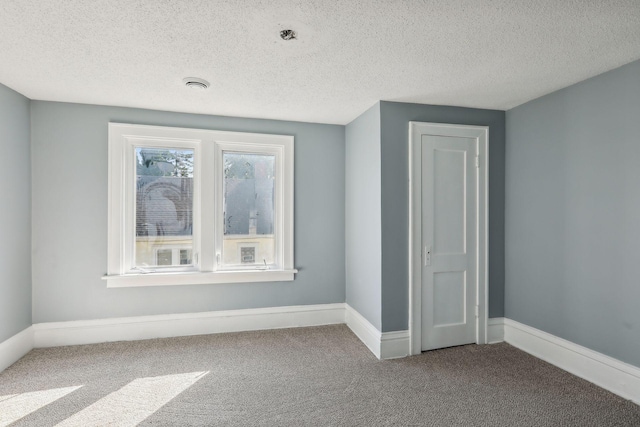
[15, 214]
[573, 213]
[363, 216]
[395, 118]
[70, 218]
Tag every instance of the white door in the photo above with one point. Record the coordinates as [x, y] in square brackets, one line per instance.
[448, 198]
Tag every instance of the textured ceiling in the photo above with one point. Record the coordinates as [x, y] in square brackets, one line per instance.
[349, 54]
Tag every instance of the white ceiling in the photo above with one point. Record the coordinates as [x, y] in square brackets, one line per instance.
[349, 54]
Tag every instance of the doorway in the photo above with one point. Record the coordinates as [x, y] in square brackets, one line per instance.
[448, 235]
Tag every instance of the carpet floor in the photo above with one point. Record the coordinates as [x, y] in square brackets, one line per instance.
[320, 376]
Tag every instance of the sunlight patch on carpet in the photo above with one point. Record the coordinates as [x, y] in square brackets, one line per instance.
[134, 402]
[16, 406]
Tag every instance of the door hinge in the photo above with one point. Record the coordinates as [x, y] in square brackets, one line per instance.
[477, 161]
[427, 256]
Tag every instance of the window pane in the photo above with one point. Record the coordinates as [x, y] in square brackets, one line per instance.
[248, 254]
[249, 206]
[163, 256]
[185, 256]
[164, 206]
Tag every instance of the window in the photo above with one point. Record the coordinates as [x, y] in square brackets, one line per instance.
[248, 206]
[163, 206]
[190, 206]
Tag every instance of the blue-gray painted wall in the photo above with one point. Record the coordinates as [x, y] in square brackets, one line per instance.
[573, 213]
[395, 118]
[572, 209]
[363, 216]
[69, 161]
[15, 214]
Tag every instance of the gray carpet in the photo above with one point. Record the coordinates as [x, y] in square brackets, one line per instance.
[320, 376]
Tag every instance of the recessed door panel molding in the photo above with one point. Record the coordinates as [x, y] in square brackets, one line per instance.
[450, 296]
[448, 235]
[449, 199]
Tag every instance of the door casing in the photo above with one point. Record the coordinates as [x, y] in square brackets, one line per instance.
[481, 134]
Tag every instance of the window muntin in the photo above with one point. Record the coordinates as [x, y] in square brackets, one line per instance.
[200, 252]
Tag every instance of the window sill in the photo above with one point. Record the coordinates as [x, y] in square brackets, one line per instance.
[197, 278]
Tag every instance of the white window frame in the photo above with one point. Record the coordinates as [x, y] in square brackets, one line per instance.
[208, 146]
[255, 146]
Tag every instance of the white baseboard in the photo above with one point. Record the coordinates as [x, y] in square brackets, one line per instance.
[175, 325]
[384, 345]
[394, 345]
[604, 371]
[387, 345]
[364, 330]
[495, 330]
[14, 348]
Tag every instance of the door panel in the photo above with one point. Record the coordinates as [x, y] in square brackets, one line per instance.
[449, 298]
[449, 201]
[449, 225]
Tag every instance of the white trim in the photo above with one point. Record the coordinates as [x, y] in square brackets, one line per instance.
[176, 325]
[12, 349]
[495, 330]
[387, 345]
[604, 371]
[384, 345]
[123, 139]
[394, 345]
[279, 146]
[415, 296]
[481, 133]
[364, 330]
[208, 147]
[198, 278]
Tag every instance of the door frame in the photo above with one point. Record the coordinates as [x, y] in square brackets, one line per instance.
[481, 133]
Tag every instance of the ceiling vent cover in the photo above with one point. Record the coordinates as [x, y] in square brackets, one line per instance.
[195, 83]
[288, 35]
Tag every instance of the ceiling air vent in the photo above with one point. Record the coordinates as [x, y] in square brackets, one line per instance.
[195, 83]
[288, 35]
